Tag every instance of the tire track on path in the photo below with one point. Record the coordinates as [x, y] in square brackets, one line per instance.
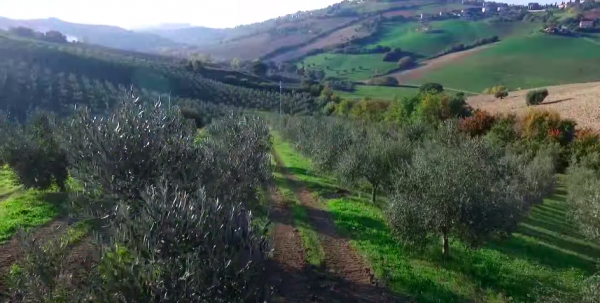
[345, 276]
[289, 275]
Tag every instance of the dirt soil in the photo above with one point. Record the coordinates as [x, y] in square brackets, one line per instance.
[289, 272]
[408, 76]
[345, 276]
[337, 37]
[580, 102]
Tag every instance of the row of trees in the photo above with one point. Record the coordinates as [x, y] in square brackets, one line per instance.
[51, 69]
[440, 181]
[174, 212]
[32, 77]
[462, 47]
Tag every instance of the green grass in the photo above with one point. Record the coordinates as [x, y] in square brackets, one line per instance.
[77, 232]
[445, 34]
[424, 44]
[8, 182]
[341, 65]
[29, 209]
[378, 92]
[24, 209]
[526, 62]
[547, 251]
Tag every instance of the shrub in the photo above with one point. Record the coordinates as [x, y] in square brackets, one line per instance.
[405, 62]
[503, 131]
[433, 109]
[431, 88]
[195, 116]
[585, 144]
[536, 97]
[459, 107]
[547, 125]
[501, 94]
[478, 124]
[34, 153]
[392, 55]
[494, 89]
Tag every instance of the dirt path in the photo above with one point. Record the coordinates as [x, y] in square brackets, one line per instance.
[346, 276]
[288, 274]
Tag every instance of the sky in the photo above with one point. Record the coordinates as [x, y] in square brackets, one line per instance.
[139, 13]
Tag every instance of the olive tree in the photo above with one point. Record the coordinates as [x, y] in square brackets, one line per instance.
[175, 221]
[456, 186]
[373, 156]
[583, 185]
[33, 151]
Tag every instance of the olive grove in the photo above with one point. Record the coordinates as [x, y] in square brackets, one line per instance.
[174, 213]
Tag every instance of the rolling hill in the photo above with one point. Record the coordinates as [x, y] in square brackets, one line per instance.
[40, 75]
[526, 62]
[109, 36]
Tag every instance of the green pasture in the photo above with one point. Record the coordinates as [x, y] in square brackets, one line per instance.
[533, 61]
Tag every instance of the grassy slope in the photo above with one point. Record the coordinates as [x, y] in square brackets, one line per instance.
[7, 182]
[547, 251]
[444, 34]
[25, 209]
[378, 92]
[405, 36]
[525, 62]
[343, 64]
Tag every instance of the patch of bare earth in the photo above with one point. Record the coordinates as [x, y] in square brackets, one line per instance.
[579, 102]
[256, 46]
[288, 272]
[337, 37]
[428, 66]
[345, 276]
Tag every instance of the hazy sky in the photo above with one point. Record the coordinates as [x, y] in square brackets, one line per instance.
[135, 13]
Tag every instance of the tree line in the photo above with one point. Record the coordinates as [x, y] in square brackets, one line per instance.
[439, 180]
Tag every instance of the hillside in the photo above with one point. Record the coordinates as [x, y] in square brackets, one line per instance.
[109, 36]
[281, 39]
[573, 101]
[526, 62]
[293, 36]
[64, 75]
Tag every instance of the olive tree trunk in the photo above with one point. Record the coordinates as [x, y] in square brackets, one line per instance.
[446, 246]
[373, 193]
